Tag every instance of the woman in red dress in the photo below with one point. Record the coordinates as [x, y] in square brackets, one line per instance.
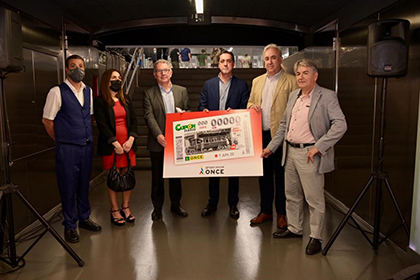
[117, 125]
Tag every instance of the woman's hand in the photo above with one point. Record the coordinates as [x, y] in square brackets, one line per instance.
[128, 144]
[118, 148]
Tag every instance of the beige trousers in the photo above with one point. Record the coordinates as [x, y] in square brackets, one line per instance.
[304, 183]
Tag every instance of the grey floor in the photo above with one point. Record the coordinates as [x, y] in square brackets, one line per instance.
[215, 247]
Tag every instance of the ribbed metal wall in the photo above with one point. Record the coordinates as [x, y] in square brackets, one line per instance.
[32, 150]
[360, 97]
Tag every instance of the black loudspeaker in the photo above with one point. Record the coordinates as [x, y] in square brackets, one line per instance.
[11, 53]
[388, 48]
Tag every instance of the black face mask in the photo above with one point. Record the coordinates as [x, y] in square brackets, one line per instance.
[115, 86]
[76, 74]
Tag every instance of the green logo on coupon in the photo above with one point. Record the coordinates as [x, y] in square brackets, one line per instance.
[185, 128]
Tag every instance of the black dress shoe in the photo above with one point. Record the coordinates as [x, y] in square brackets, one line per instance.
[89, 225]
[208, 210]
[234, 212]
[179, 211]
[71, 235]
[286, 234]
[314, 246]
[156, 214]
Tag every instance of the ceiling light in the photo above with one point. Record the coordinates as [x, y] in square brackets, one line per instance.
[199, 6]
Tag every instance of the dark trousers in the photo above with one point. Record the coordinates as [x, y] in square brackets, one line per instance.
[73, 165]
[175, 64]
[214, 191]
[158, 184]
[272, 166]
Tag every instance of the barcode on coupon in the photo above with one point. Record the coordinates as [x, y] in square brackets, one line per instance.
[247, 137]
[178, 148]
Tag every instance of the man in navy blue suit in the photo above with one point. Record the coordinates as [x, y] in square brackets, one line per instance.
[224, 92]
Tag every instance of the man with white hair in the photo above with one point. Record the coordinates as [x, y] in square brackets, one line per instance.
[269, 95]
[311, 125]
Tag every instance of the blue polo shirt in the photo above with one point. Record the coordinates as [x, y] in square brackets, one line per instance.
[184, 54]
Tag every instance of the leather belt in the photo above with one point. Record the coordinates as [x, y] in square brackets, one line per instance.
[304, 145]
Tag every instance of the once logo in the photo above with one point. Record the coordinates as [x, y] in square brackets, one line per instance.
[217, 171]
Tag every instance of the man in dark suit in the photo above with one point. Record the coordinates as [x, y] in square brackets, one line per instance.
[224, 92]
[158, 101]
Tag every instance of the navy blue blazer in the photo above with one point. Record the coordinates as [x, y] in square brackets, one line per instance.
[237, 97]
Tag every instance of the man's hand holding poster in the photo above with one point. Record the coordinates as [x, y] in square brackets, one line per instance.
[213, 144]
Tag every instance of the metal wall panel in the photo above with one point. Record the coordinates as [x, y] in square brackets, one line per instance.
[358, 95]
[32, 150]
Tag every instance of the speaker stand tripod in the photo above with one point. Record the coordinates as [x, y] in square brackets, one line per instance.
[6, 192]
[379, 176]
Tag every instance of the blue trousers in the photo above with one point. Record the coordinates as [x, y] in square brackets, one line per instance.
[270, 187]
[73, 166]
[214, 190]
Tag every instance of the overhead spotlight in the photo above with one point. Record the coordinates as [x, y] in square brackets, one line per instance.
[230, 49]
[199, 6]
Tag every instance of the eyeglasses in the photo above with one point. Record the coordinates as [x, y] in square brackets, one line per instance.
[162, 71]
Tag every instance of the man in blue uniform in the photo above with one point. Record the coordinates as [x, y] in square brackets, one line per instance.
[67, 120]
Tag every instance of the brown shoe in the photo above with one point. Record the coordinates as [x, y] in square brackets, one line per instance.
[261, 218]
[281, 221]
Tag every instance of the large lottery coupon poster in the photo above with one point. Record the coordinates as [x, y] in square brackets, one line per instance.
[213, 144]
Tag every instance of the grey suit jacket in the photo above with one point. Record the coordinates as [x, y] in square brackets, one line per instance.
[326, 122]
[155, 114]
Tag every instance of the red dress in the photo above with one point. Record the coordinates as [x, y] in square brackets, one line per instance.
[122, 137]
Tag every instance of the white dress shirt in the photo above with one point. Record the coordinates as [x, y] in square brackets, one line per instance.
[267, 99]
[53, 102]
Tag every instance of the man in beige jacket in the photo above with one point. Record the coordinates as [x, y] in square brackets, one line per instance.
[269, 95]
